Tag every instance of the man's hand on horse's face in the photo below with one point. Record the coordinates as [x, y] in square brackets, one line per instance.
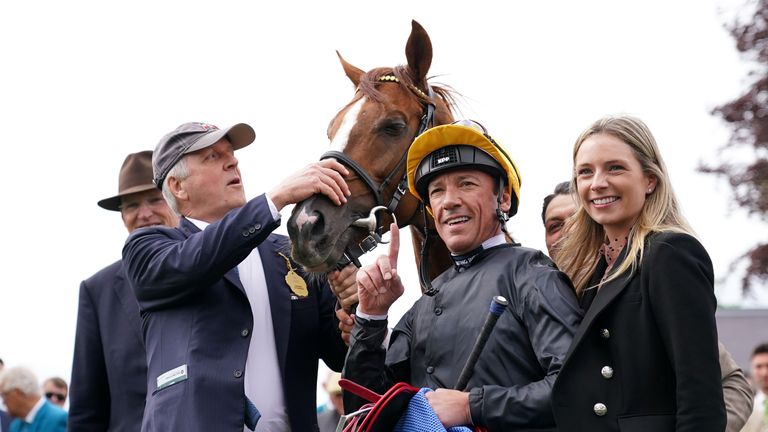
[379, 284]
[325, 177]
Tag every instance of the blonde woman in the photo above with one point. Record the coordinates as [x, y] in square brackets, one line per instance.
[645, 357]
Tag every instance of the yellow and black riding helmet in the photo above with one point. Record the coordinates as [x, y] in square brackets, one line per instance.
[462, 144]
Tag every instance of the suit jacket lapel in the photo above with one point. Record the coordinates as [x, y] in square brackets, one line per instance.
[604, 297]
[128, 301]
[188, 228]
[279, 295]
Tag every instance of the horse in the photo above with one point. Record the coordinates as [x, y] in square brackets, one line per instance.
[371, 136]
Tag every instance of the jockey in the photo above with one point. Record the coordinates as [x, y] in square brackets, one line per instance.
[470, 186]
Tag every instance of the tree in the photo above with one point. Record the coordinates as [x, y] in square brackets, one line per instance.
[748, 118]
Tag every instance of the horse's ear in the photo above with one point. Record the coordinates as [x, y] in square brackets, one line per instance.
[352, 72]
[418, 51]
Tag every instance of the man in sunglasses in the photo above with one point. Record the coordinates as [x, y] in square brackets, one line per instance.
[109, 372]
[55, 390]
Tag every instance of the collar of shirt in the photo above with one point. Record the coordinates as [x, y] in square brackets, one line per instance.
[464, 261]
[35, 409]
[198, 223]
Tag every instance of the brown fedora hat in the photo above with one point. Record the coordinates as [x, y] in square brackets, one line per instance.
[135, 176]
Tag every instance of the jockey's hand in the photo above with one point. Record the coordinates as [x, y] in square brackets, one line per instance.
[346, 323]
[379, 284]
[451, 406]
[344, 284]
[324, 177]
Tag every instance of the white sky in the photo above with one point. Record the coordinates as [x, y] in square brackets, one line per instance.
[84, 83]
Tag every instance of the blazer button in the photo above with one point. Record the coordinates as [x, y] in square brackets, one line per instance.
[237, 373]
[251, 230]
[600, 409]
[605, 333]
[257, 227]
[246, 233]
[244, 332]
[430, 369]
[438, 311]
[606, 372]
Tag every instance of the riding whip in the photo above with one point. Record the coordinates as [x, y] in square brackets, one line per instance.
[498, 306]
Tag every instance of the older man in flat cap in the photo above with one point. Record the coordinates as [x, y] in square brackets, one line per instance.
[233, 330]
[109, 371]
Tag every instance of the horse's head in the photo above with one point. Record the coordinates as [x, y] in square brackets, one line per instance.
[371, 136]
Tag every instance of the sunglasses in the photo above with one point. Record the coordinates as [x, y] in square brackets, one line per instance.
[58, 396]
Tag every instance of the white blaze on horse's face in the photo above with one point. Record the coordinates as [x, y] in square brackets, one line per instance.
[303, 217]
[347, 123]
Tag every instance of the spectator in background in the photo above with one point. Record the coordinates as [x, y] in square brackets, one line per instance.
[557, 207]
[758, 421]
[328, 420]
[20, 391]
[5, 419]
[55, 390]
[109, 368]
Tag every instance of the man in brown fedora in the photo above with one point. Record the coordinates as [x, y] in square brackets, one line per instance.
[109, 371]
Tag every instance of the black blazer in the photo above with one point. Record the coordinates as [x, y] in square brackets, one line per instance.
[645, 357]
[109, 371]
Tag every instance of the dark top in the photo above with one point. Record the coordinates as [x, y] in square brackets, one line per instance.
[511, 384]
[109, 368]
[645, 358]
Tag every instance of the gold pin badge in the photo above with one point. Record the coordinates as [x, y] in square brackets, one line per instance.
[296, 283]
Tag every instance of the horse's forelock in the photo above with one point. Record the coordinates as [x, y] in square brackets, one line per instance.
[369, 81]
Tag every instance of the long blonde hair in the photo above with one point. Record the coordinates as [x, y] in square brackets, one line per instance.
[579, 249]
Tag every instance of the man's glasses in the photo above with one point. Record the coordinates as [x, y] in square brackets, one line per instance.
[58, 396]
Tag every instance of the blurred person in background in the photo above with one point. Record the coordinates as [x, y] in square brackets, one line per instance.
[55, 390]
[328, 419]
[20, 391]
[758, 421]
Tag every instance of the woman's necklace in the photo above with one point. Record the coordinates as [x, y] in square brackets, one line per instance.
[611, 249]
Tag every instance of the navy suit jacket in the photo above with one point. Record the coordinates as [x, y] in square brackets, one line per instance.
[50, 418]
[195, 313]
[109, 369]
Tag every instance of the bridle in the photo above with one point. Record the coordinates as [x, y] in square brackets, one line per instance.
[352, 254]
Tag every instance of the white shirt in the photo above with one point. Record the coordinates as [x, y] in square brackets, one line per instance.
[30, 418]
[263, 384]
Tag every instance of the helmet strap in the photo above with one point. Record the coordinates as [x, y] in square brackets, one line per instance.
[500, 214]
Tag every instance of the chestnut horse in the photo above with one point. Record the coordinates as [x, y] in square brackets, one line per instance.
[371, 136]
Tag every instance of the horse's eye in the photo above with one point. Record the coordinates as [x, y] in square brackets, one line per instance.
[394, 128]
